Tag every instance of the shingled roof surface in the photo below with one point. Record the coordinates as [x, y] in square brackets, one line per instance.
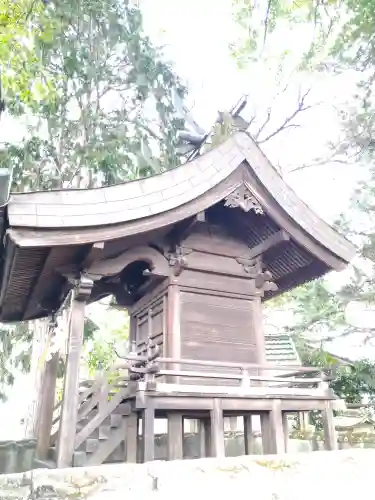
[280, 350]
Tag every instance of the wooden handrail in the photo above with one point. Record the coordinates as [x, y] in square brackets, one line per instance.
[219, 364]
[239, 377]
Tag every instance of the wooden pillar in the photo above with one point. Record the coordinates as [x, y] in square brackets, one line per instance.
[70, 402]
[266, 433]
[330, 438]
[47, 404]
[257, 314]
[204, 434]
[285, 430]
[132, 332]
[217, 430]
[248, 434]
[273, 431]
[148, 432]
[175, 436]
[131, 438]
[173, 347]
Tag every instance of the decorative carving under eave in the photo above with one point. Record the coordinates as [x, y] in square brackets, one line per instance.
[82, 288]
[264, 282]
[243, 198]
[177, 259]
[252, 267]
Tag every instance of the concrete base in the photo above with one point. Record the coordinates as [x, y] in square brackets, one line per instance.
[344, 474]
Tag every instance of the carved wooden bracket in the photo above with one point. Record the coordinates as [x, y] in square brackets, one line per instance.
[243, 198]
[111, 267]
[263, 279]
[177, 259]
[252, 267]
[82, 288]
[264, 282]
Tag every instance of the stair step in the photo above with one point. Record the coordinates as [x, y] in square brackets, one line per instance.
[115, 420]
[43, 464]
[91, 445]
[118, 454]
[107, 447]
[104, 432]
[52, 454]
[121, 409]
[79, 459]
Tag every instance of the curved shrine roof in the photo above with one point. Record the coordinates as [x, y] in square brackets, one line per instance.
[85, 216]
[234, 184]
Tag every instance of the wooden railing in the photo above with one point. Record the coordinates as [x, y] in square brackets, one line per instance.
[96, 393]
[155, 368]
[154, 372]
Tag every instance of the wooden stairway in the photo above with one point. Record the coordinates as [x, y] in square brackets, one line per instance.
[101, 427]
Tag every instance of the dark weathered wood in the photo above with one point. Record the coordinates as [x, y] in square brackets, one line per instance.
[47, 407]
[148, 432]
[175, 436]
[248, 434]
[330, 437]
[217, 429]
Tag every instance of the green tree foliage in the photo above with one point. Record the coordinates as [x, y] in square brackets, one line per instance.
[20, 65]
[98, 99]
[351, 381]
[109, 339]
[109, 116]
[341, 39]
[13, 354]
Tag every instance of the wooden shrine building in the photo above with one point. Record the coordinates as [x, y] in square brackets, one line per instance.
[191, 254]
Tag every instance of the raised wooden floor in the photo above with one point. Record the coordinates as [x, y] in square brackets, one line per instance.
[116, 421]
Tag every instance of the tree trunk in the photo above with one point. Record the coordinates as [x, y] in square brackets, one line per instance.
[38, 362]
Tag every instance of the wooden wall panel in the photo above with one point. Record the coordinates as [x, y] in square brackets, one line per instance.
[216, 282]
[157, 324]
[215, 240]
[218, 329]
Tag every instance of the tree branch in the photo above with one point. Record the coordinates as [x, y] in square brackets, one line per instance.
[287, 122]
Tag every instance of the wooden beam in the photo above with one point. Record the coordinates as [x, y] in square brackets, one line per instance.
[269, 243]
[94, 254]
[184, 228]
